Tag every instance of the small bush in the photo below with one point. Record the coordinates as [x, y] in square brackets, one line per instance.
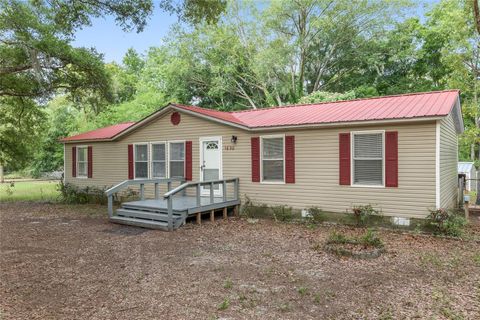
[75, 195]
[252, 210]
[282, 213]
[370, 238]
[445, 222]
[315, 215]
[336, 237]
[362, 213]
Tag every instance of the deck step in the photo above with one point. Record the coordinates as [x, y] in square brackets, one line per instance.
[145, 215]
[140, 223]
[128, 206]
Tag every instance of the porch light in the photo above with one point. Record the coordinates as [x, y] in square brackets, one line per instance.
[234, 139]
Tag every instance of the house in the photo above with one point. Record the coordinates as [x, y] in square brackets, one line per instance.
[468, 169]
[397, 153]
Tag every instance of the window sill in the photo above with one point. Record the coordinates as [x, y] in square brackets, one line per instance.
[81, 177]
[368, 186]
[272, 182]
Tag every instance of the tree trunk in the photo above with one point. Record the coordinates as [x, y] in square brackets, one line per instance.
[2, 177]
[476, 13]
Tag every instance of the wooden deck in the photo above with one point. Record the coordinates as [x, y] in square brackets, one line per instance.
[171, 211]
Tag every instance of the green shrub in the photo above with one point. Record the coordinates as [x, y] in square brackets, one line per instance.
[282, 213]
[445, 222]
[252, 210]
[336, 237]
[73, 194]
[315, 215]
[370, 238]
[362, 213]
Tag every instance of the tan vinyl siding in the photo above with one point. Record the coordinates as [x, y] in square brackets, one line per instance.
[316, 165]
[448, 163]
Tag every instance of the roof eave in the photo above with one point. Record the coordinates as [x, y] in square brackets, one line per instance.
[85, 140]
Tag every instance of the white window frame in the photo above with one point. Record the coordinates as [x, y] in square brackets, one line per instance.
[135, 160]
[77, 162]
[184, 157]
[352, 158]
[261, 158]
[151, 161]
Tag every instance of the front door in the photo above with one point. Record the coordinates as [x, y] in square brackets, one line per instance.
[211, 163]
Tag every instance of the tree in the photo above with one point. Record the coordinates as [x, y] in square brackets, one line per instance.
[37, 60]
[324, 96]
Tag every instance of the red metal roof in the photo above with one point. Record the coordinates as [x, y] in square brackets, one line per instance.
[406, 106]
[100, 134]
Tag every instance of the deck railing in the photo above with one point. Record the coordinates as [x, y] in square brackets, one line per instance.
[141, 182]
[197, 185]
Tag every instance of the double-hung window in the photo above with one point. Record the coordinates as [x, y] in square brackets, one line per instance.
[82, 162]
[368, 158]
[272, 151]
[177, 159]
[141, 161]
[159, 162]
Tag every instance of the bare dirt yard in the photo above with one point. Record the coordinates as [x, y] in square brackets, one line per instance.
[69, 262]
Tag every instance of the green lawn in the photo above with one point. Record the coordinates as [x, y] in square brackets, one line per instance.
[29, 191]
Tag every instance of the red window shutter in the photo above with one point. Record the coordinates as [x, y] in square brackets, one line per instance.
[344, 157]
[130, 161]
[74, 162]
[90, 162]
[391, 159]
[255, 145]
[188, 160]
[290, 159]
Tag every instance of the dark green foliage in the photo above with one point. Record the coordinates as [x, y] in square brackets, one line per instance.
[252, 210]
[445, 222]
[369, 239]
[282, 213]
[75, 195]
[315, 215]
[362, 213]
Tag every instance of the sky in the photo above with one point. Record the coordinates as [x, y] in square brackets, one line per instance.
[110, 40]
[113, 42]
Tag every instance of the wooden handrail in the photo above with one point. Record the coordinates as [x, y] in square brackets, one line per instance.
[169, 195]
[142, 182]
[200, 183]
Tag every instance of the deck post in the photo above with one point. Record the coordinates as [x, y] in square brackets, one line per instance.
[224, 190]
[212, 199]
[110, 206]
[235, 210]
[199, 218]
[225, 216]
[156, 191]
[142, 191]
[169, 185]
[212, 215]
[170, 213]
[198, 194]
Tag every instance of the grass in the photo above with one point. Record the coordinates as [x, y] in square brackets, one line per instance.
[29, 191]
[224, 305]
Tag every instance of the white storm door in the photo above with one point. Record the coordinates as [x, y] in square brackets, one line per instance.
[211, 163]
